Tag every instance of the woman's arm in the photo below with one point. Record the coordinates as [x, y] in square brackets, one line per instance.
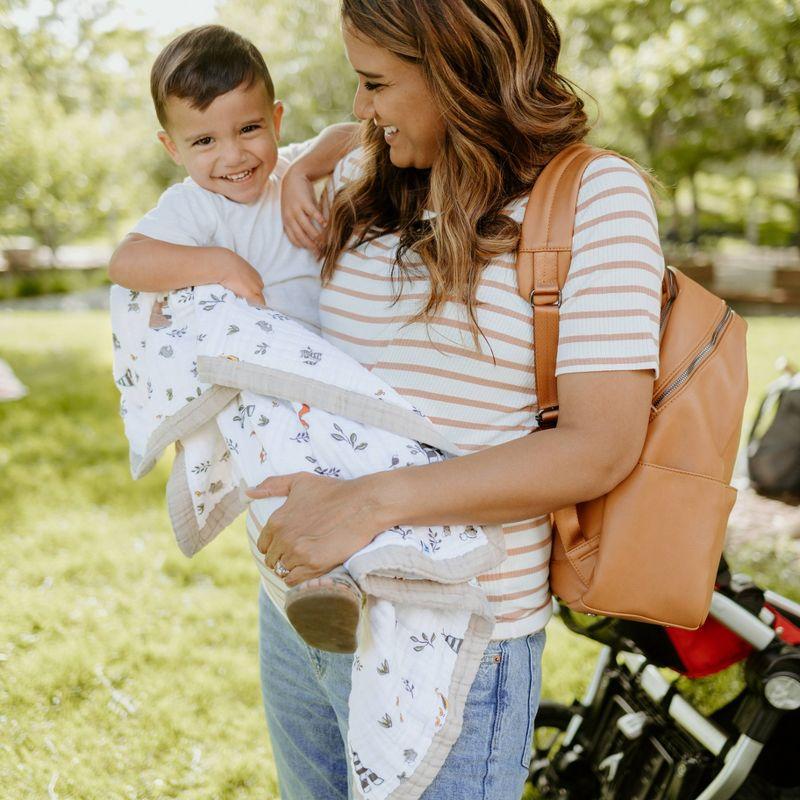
[600, 435]
[602, 424]
[150, 265]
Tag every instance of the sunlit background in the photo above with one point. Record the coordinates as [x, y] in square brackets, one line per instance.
[705, 94]
[127, 671]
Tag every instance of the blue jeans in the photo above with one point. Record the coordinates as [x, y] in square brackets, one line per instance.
[305, 698]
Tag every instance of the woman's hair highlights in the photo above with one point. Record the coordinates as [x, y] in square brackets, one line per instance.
[491, 66]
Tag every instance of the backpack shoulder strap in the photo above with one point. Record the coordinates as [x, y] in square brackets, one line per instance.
[543, 260]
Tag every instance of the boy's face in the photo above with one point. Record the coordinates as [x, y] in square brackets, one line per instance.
[230, 148]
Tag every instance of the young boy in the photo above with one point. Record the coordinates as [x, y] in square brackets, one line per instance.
[214, 97]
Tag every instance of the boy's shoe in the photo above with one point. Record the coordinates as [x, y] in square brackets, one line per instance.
[325, 611]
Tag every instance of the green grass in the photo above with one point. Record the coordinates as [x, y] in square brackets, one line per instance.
[126, 670]
[34, 282]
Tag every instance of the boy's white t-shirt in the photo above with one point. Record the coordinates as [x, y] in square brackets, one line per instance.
[190, 215]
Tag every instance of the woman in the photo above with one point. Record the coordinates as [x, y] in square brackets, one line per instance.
[461, 106]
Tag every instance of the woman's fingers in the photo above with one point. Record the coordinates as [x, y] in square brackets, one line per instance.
[277, 486]
[300, 574]
[264, 540]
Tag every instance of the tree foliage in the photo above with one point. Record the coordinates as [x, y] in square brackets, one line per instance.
[690, 88]
[74, 157]
[687, 85]
[302, 44]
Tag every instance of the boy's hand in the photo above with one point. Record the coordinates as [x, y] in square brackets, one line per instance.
[302, 219]
[242, 279]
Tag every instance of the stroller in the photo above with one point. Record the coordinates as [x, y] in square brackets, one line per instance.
[633, 736]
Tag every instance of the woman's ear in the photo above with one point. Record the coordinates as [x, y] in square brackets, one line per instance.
[170, 146]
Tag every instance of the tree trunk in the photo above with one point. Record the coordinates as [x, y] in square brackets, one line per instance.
[796, 234]
[694, 229]
[673, 233]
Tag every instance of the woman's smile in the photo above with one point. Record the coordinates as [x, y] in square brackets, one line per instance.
[392, 88]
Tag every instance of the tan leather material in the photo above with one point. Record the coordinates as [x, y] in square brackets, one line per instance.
[543, 259]
[665, 574]
[649, 549]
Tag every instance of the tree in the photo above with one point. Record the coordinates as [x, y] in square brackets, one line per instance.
[685, 85]
[302, 45]
[77, 149]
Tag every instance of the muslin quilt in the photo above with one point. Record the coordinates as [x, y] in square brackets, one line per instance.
[245, 393]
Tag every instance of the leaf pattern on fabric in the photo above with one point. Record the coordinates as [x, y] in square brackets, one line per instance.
[210, 303]
[352, 439]
[395, 679]
[423, 641]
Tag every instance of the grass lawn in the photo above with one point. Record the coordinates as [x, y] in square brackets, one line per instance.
[126, 670]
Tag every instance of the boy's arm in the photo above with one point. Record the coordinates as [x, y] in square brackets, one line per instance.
[299, 207]
[150, 265]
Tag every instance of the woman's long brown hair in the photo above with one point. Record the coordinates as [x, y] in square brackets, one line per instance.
[491, 66]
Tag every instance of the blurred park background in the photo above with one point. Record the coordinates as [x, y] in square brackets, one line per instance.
[127, 671]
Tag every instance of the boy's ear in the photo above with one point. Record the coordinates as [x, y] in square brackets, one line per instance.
[277, 116]
[169, 146]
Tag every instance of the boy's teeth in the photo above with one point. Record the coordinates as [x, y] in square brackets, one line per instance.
[239, 176]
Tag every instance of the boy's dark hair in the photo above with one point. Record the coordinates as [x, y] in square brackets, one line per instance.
[204, 63]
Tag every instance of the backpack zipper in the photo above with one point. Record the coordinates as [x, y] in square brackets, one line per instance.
[695, 362]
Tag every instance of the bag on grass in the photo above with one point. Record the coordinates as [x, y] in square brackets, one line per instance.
[773, 451]
[649, 549]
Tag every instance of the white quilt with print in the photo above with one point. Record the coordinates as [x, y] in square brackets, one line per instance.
[246, 393]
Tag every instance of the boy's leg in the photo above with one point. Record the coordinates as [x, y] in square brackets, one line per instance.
[303, 723]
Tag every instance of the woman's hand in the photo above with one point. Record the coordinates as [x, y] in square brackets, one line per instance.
[321, 524]
[302, 219]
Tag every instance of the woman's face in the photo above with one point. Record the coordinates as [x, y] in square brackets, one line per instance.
[393, 94]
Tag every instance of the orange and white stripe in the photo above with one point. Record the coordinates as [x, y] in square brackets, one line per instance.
[609, 321]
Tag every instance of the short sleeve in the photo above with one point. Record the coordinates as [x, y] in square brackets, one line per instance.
[184, 215]
[346, 169]
[611, 301]
[290, 152]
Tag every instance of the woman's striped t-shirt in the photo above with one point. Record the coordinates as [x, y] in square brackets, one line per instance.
[609, 321]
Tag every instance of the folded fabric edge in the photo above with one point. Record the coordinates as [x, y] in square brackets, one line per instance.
[333, 399]
[399, 560]
[188, 535]
[183, 422]
[466, 668]
[430, 594]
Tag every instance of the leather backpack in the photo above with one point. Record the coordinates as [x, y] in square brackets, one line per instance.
[649, 549]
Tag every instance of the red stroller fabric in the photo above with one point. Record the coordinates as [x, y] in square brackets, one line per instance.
[709, 649]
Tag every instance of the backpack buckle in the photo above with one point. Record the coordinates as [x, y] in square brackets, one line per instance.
[546, 297]
[546, 417]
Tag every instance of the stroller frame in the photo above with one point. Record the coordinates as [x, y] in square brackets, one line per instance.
[737, 753]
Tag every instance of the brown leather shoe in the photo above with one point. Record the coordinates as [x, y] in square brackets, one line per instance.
[325, 611]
